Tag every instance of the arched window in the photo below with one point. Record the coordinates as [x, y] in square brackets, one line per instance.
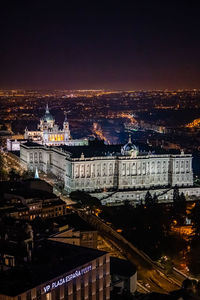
[40, 157]
[35, 157]
[152, 168]
[104, 169]
[88, 171]
[134, 168]
[93, 170]
[158, 167]
[31, 157]
[123, 169]
[110, 169]
[98, 170]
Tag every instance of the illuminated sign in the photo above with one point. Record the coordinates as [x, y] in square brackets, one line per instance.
[66, 279]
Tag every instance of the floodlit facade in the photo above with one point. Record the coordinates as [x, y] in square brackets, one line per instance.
[48, 133]
[106, 167]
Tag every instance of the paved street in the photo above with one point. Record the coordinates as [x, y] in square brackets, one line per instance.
[150, 276]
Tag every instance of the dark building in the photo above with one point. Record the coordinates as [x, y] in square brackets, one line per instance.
[16, 242]
[29, 199]
[123, 275]
[73, 230]
[58, 271]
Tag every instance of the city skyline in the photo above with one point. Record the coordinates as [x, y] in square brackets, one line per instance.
[118, 46]
[99, 150]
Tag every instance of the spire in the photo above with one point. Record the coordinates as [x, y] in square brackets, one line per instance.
[47, 109]
[129, 139]
[65, 113]
[36, 174]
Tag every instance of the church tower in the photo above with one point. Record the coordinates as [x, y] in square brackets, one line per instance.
[66, 129]
[47, 121]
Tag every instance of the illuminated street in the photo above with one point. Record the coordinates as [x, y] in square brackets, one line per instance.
[149, 274]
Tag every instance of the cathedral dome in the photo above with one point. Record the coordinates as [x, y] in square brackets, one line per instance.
[48, 116]
[129, 148]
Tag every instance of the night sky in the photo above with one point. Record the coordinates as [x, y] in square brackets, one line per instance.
[120, 45]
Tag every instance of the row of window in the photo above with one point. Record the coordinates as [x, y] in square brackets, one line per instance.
[36, 157]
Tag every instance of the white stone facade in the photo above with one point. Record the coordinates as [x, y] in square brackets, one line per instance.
[118, 172]
[48, 133]
[135, 196]
[14, 144]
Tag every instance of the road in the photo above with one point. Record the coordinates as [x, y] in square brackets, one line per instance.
[11, 161]
[150, 275]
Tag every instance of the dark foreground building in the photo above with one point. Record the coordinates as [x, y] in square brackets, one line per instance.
[58, 271]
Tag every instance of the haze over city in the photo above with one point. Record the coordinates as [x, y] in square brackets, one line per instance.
[115, 45]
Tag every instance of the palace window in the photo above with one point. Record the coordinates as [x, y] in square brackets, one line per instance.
[153, 168]
[98, 170]
[133, 168]
[164, 167]
[35, 157]
[82, 171]
[31, 157]
[40, 157]
[158, 167]
[143, 168]
[110, 169]
[88, 171]
[123, 169]
[77, 172]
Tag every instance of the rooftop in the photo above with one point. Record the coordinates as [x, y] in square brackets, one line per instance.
[73, 220]
[50, 260]
[30, 188]
[99, 149]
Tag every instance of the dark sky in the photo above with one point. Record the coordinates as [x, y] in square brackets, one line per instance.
[116, 45]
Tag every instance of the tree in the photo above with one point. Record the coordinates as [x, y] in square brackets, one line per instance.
[176, 194]
[179, 206]
[14, 175]
[127, 203]
[195, 217]
[85, 200]
[182, 197]
[27, 175]
[155, 199]
[148, 199]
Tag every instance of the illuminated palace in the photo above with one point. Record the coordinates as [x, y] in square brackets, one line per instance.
[100, 168]
[48, 133]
